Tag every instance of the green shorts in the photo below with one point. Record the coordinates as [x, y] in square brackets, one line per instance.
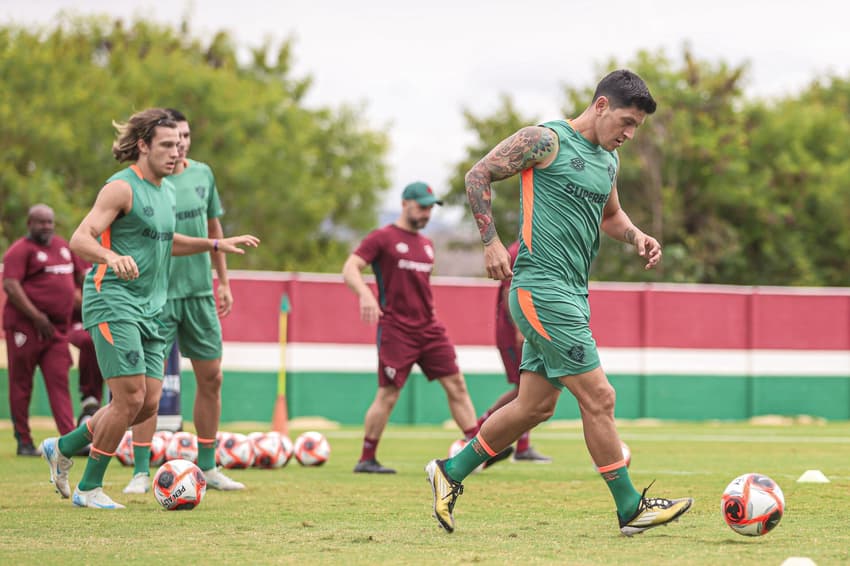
[556, 326]
[129, 348]
[193, 321]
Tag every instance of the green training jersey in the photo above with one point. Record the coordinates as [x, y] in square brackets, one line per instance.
[561, 209]
[197, 202]
[146, 234]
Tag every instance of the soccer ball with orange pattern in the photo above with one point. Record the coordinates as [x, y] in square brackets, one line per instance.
[312, 449]
[752, 505]
[179, 485]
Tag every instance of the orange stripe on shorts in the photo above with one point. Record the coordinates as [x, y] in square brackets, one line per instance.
[527, 306]
[105, 332]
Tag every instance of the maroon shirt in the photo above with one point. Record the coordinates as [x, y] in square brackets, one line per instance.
[505, 329]
[46, 274]
[402, 262]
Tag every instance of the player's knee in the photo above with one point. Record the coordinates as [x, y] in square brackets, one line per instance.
[541, 411]
[211, 382]
[601, 401]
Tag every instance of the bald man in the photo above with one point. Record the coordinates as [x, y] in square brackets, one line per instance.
[39, 278]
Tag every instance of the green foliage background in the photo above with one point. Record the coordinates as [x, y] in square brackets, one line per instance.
[298, 177]
[739, 190]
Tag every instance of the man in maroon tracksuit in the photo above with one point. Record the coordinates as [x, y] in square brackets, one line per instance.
[408, 330]
[39, 276]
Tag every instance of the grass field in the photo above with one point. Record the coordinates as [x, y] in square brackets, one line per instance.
[510, 514]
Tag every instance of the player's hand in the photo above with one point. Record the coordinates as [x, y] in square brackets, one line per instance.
[231, 245]
[370, 312]
[224, 302]
[43, 327]
[648, 248]
[123, 266]
[497, 261]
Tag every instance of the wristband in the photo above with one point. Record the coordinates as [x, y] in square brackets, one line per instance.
[215, 245]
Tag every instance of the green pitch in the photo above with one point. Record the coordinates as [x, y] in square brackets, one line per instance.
[510, 514]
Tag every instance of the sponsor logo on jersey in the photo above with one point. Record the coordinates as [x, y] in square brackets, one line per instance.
[577, 163]
[159, 236]
[61, 269]
[65, 253]
[148, 211]
[411, 265]
[201, 191]
[41, 256]
[583, 193]
[402, 248]
[194, 213]
[429, 251]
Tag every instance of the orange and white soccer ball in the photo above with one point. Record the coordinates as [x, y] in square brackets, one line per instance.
[182, 446]
[124, 452]
[179, 485]
[268, 450]
[752, 504]
[236, 451]
[312, 449]
[159, 443]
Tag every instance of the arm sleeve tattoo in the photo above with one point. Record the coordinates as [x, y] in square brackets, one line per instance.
[526, 148]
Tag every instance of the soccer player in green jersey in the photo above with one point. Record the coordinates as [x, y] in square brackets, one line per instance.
[568, 174]
[129, 237]
[191, 314]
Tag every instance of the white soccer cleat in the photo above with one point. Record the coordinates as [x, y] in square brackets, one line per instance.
[141, 483]
[59, 466]
[217, 480]
[95, 499]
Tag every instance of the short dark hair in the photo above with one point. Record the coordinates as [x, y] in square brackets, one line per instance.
[176, 115]
[623, 89]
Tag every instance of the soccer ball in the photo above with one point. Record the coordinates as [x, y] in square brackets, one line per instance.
[124, 452]
[752, 505]
[312, 449]
[627, 455]
[236, 451]
[159, 442]
[179, 485]
[220, 438]
[268, 450]
[182, 446]
[288, 448]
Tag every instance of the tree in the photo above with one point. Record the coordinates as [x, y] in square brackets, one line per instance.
[739, 191]
[300, 178]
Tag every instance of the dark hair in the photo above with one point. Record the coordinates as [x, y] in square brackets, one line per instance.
[141, 126]
[623, 89]
[176, 115]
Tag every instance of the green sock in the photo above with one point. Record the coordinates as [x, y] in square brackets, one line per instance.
[206, 455]
[141, 459]
[95, 468]
[74, 441]
[625, 495]
[464, 463]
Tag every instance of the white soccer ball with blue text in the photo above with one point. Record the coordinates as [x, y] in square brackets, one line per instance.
[179, 485]
[312, 449]
[752, 504]
[236, 451]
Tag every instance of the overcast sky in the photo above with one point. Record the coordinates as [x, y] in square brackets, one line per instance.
[415, 65]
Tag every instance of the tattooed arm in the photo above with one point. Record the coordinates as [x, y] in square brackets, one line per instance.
[529, 147]
[617, 224]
